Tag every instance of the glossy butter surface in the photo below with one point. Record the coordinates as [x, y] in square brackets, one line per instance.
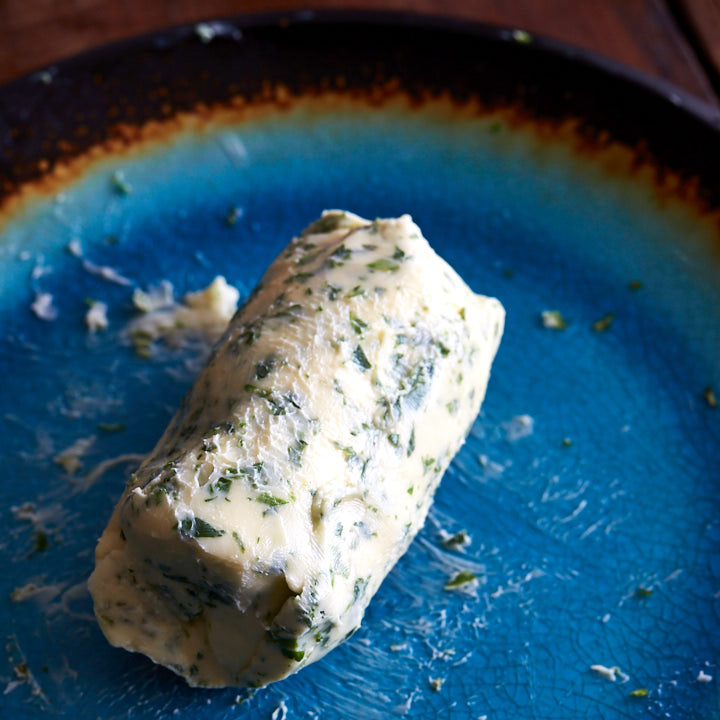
[303, 461]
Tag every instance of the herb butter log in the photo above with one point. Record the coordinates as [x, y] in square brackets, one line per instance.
[302, 462]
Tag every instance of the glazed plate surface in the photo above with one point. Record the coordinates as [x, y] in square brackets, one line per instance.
[589, 484]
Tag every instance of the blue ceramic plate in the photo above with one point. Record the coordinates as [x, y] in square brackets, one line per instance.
[589, 484]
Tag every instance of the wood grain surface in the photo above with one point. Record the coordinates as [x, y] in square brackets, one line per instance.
[704, 17]
[640, 33]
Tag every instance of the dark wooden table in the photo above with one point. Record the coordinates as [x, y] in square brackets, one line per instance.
[678, 40]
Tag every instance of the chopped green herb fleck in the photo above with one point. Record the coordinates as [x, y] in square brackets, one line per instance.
[394, 439]
[253, 332]
[418, 386]
[411, 442]
[325, 224]
[398, 254]
[357, 290]
[197, 527]
[299, 277]
[296, 655]
[295, 452]
[221, 485]
[411, 490]
[239, 542]
[342, 253]
[120, 184]
[553, 320]
[264, 368]
[461, 313]
[639, 693]
[233, 215]
[710, 398]
[358, 325]
[359, 587]
[452, 406]
[310, 256]
[361, 359]
[643, 592]
[460, 579]
[270, 500]
[41, 542]
[111, 427]
[277, 406]
[427, 462]
[603, 324]
[383, 265]
[332, 291]
[205, 529]
[362, 475]
[290, 311]
[459, 539]
[350, 454]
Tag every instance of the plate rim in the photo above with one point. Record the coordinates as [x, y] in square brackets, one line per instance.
[229, 26]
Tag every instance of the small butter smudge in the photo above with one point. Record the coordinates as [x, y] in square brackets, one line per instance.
[70, 458]
[96, 317]
[43, 307]
[519, 427]
[207, 311]
[75, 248]
[610, 673]
[154, 298]
[105, 272]
[552, 320]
